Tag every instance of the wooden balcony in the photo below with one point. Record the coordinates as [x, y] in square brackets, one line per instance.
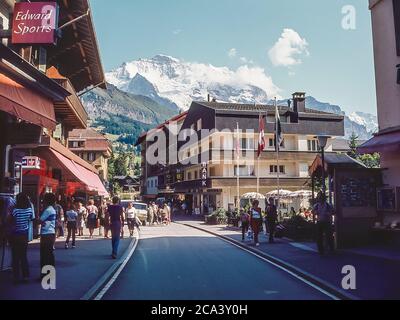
[71, 111]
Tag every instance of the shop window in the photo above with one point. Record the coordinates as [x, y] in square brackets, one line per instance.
[396, 13]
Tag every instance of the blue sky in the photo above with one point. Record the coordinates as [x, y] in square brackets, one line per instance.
[332, 64]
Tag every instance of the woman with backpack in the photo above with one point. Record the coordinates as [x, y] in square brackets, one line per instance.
[92, 217]
[256, 220]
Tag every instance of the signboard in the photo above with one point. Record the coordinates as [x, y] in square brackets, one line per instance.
[35, 23]
[204, 175]
[31, 163]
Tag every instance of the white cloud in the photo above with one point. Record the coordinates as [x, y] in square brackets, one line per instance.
[288, 50]
[232, 53]
[177, 31]
[245, 60]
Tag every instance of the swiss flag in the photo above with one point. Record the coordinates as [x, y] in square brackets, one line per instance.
[261, 138]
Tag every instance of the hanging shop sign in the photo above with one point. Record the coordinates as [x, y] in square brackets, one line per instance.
[35, 23]
[204, 174]
[31, 163]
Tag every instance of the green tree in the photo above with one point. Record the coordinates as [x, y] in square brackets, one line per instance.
[353, 144]
[121, 164]
[370, 160]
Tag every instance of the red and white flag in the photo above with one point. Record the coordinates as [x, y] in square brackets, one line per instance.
[261, 138]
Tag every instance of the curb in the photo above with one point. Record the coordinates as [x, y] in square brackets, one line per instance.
[339, 293]
[99, 286]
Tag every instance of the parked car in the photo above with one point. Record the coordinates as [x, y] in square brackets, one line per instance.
[141, 209]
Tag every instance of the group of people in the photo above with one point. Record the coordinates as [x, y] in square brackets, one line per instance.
[159, 214]
[19, 222]
[54, 219]
[253, 219]
[322, 211]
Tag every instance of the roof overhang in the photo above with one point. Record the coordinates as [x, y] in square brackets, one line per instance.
[26, 74]
[387, 142]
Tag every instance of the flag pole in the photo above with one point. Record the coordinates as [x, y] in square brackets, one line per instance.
[278, 146]
[258, 161]
[238, 168]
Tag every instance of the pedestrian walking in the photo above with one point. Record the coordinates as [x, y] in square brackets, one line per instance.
[48, 231]
[72, 218]
[166, 214]
[256, 220]
[116, 213]
[102, 211]
[59, 220]
[271, 219]
[20, 219]
[324, 213]
[106, 221]
[82, 215]
[245, 221]
[131, 218]
[150, 214]
[92, 217]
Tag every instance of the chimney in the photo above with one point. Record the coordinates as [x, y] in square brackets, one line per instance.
[299, 102]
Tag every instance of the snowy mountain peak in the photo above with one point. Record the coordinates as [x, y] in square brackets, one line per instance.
[182, 82]
[175, 83]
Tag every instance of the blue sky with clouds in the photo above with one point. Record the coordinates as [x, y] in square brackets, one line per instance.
[300, 44]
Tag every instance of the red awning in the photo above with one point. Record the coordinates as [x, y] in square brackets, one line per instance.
[26, 104]
[382, 143]
[87, 177]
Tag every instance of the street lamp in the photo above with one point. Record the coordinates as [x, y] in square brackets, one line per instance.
[322, 141]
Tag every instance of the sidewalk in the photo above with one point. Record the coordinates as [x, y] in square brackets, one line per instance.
[77, 269]
[377, 272]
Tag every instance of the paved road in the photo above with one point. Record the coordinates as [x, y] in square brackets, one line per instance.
[180, 263]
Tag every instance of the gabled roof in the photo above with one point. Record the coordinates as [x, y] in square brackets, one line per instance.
[177, 118]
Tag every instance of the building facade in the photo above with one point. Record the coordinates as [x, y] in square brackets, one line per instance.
[386, 38]
[157, 178]
[93, 147]
[40, 83]
[207, 170]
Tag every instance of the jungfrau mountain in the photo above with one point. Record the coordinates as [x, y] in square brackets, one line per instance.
[149, 91]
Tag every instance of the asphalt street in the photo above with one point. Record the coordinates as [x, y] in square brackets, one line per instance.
[181, 263]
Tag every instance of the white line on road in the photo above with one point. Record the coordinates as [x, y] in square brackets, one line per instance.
[118, 272]
[276, 265]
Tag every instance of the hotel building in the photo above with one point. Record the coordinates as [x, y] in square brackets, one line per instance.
[207, 174]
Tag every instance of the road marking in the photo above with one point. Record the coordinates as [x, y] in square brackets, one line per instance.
[302, 247]
[111, 271]
[332, 296]
[118, 272]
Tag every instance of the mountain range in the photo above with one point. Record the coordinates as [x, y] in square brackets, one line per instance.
[150, 91]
